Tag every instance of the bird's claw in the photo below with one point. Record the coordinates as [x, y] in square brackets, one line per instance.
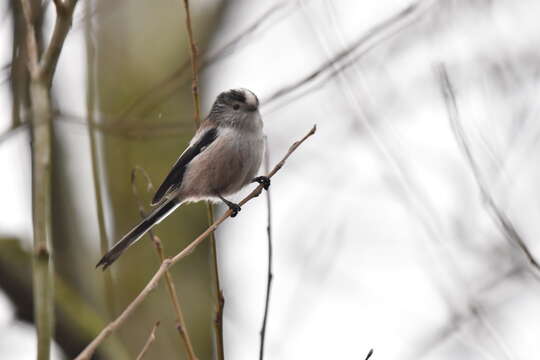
[235, 208]
[263, 180]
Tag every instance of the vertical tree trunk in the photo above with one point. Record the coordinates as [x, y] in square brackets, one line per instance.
[41, 195]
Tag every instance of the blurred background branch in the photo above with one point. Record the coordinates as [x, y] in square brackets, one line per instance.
[396, 230]
[181, 325]
[104, 242]
[503, 222]
[150, 341]
[42, 69]
[194, 56]
[77, 322]
[369, 354]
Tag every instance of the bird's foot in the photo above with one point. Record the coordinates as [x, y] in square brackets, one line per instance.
[235, 208]
[263, 180]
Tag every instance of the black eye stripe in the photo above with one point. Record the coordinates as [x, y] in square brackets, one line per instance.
[236, 106]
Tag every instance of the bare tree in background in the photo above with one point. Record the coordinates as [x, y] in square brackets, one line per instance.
[407, 226]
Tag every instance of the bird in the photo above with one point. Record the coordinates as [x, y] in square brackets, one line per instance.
[223, 156]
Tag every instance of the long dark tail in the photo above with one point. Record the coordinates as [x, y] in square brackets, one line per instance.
[138, 231]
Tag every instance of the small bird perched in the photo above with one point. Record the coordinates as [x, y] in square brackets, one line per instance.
[223, 157]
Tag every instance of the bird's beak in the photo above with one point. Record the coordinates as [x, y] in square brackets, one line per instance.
[252, 108]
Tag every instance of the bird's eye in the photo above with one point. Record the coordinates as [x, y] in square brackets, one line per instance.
[236, 107]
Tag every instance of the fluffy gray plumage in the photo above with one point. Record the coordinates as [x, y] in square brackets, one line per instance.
[223, 157]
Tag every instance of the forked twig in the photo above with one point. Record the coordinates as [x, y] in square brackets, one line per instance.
[41, 67]
[171, 289]
[151, 339]
[167, 263]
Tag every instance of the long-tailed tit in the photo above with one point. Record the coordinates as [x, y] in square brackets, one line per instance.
[223, 156]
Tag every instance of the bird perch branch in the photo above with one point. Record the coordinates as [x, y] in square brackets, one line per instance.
[180, 322]
[87, 353]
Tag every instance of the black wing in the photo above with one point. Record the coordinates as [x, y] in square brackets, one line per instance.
[174, 179]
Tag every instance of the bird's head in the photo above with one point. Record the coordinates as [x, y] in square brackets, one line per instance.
[237, 108]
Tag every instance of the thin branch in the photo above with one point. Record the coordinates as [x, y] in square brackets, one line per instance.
[8, 134]
[151, 339]
[505, 224]
[31, 39]
[140, 132]
[369, 354]
[18, 76]
[167, 263]
[270, 275]
[193, 51]
[220, 300]
[112, 326]
[96, 173]
[218, 320]
[64, 16]
[7, 66]
[42, 265]
[78, 321]
[171, 289]
[346, 58]
[167, 86]
[40, 94]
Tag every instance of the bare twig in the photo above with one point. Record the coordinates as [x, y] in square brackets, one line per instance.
[77, 319]
[167, 86]
[270, 275]
[112, 326]
[220, 300]
[40, 76]
[136, 132]
[167, 263]
[151, 339]
[8, 134]
[346, 58]
[218, 320]
[96, 173]
[128, 131]
[31, 39]
[369, 354]
[505, 224]
[64, 16]
[18, 75]
[171, 289]
[193, 51]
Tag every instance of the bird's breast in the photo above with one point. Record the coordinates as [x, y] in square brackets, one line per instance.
[227, 165]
